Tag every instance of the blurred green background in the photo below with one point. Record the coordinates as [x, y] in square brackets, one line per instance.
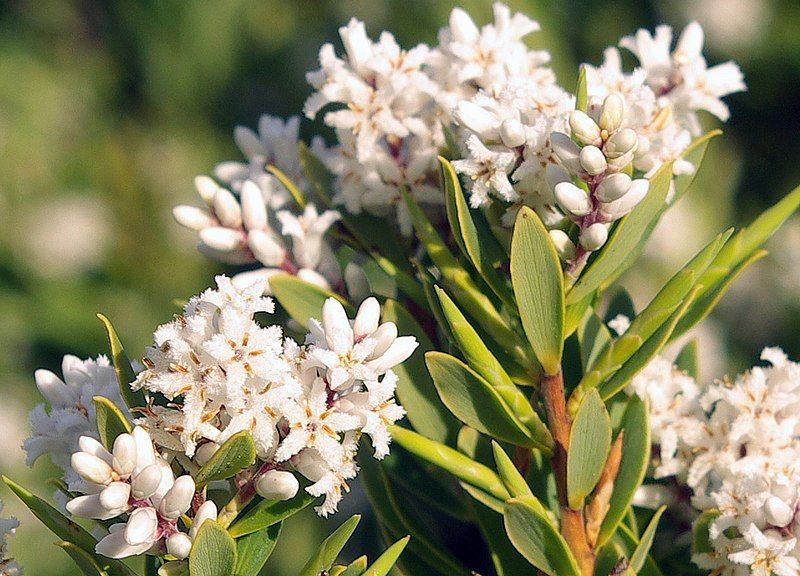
[109, 109]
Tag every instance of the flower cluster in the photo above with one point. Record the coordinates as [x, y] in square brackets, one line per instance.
[735, 444]
[304, 405]
[72, 411]
[8, 566]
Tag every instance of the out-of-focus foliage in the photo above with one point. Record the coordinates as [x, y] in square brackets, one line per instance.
[108, 110]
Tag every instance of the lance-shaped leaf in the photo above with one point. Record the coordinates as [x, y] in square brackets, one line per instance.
[122, 367]
[290, 186]
[688, 359]
[213, 552]
[302, 300]
[236, 453]
[589, 443]
[637, 559]
[458, 280]
[537, 540]
[415, 389]
[574, 315]
[693, 154]
[581, 98]
[355, 568]
[330, 548]
[474, 236]
[635, 456]
[539, 289]
[512, 479]
[475, 402]
[110, 421]
[701, 540]
[506, 559]
[253, 550]
[82, 559]
[593, 339]
[387, 560]
[627, 541]
[267, 513]
[462, 467]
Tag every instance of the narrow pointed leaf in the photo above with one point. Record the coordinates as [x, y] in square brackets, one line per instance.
[387, 560]
[290, 186]
[302, 300]
[236, 453]
[589, 444]
[122, 367]
[639, 555]
[694, 154]
[506, 559]
[268, 513]
[512, 479]
[83, 560]
[581, 98]
[253, 550]
[539, 289]
[110, 421]
[330, 548]
[356, 567]
[628, 541]
[688, 359]
[213, 552]
[593, 338]
[537, 540]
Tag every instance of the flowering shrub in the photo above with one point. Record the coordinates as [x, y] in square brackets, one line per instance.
[437, 278]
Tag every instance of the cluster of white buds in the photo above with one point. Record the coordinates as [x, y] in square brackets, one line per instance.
[305, 406]
[134, 479]
[8, 566]
[591, 183]
[257, 226]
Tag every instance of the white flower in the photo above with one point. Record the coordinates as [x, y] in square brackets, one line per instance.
[72, 412]
[768, 555]
[8, 566]
[376, 407]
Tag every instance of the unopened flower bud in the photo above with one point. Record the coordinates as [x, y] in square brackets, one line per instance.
[367, 318]
[92, 446]
[254, 209]
[567, 151]
[224, 239]
[277, 485]
[193, 218]
[620, 143]
[142, 526]
[179, 545]
[612, 113]
[313, 277]
[265, 248]
[383, 336]
[124, 454]
[115, 496]
[91, 468]
[206, 511]
[593, 160]
[573, 199]
[593, 237]
[564, 246]
[477, 119]
[145, 454]
[619, 208]
[512, 133]
[397, 353]
[207, 189]
[613, 187]
[205, 452]
[227, 208]
[778, 512]
[462, 27]
[146, 482]
[584, 129]
[178, 499]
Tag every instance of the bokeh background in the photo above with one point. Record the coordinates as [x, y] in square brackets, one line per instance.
[109, 109]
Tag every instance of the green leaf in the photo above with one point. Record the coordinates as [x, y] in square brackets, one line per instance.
[355, 568]
[290, 186]
[537, 540]
[268, 513]
[174, 568]
[633, 466]
[539, 289]
[593, 338]
[122, 367]
[475, 402]
[688, 359]
[581, 98]
[236, 453]
[213, 552]
[637, 559]
[474, 236]
[387, 560]
[404, 281]
[589, 444]
[694, 154]
[85, 562]
[628, 541]
[302, 300]
[415, 389]
[506, 559]
[621, 304]
[574, 315]
[627, 235]
[701, 540]
[459, 465]
[512, 479]
[253, 550]
[330, 548]
[110, 421]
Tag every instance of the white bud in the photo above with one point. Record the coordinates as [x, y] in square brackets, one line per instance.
[621, 143]
[397, 353]
[567, 152]
[356, 281]
[254, 209]
[619, 163]
[265, 248]
[227, 208]
[91, 468]
[593, 237]
[145, 454]
[206, 511]
[277, 485]
[193, 218]
[124, 454]
[57, 393]
[223, 239]
[612, 113]
[178, 499]
[89, 506]
[462, 27]
[92, 446]
[477, 119]
[313, 277]
[593, 160]
[613, 187]
[619, 208]
[142, 526]
[512, 133]
[146, 482]
[367, 318]
[115, 496]
[573, 199]
[564, 246]
[584, 129]
[383, 336]
[207, 189]
[778, 512]
[205, 452]
[179, 545]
